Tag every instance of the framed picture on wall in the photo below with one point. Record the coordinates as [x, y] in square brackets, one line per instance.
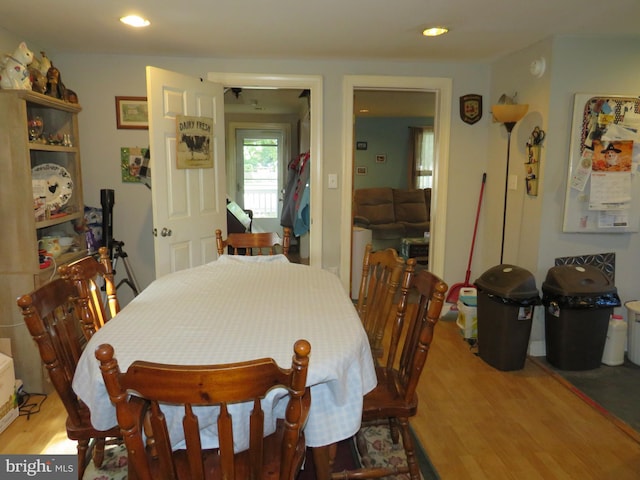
[361, 145]
[381, 158]
[132, 113]
[361, 170]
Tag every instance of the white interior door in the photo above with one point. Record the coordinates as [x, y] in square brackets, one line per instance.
[188, 204]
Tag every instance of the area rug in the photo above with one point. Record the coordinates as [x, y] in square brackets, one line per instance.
[381, 449]
[114, 465]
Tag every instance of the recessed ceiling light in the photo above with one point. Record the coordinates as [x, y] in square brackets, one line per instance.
[434, 31]
[135, 21]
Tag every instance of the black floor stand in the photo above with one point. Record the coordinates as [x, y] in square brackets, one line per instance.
[130, 280]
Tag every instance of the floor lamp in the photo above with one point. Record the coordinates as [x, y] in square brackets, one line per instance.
[509, 115]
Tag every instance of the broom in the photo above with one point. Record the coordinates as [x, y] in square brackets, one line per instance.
[454, 291]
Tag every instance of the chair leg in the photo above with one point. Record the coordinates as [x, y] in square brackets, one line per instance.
[409, 449]
[83, 448]
[393, 431]
[98, 452]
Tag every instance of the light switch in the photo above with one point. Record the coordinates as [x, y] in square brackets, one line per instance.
[513, 182]
[333, 180]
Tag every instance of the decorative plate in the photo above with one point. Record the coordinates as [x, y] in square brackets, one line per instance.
[52, 182]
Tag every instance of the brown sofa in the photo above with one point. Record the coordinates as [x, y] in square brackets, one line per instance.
[392, 214]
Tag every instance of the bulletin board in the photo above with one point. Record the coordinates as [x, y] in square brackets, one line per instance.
[603, 188]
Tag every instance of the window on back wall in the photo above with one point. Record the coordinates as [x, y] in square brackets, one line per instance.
[421, 157]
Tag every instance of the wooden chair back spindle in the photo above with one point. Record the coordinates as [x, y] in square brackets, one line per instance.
[381, 275]
[139, 392]
[247, 242]
[89, 276]
[394, 398]
[50, 313]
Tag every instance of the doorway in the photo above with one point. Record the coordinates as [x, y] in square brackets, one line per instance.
[261, 152]
[442, 89]
[312, 84]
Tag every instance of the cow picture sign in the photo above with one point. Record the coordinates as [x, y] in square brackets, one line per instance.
[193, 142]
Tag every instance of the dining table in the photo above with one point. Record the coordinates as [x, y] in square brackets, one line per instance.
[240, 308]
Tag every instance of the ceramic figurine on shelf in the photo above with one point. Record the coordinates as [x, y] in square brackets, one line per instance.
[15, 72]
[44, 64]
[38, 81]
[38, 71]
[55, 87]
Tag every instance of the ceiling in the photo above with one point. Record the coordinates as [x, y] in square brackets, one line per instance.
[480, 30]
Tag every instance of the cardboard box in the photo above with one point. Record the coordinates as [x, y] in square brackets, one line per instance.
[8, 398]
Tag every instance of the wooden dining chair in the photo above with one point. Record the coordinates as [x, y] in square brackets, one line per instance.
[138, 392]
[246, 242]
[89, 276]
[381, 275]
[394, 399]
[51, 317]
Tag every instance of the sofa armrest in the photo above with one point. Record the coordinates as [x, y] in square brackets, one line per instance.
[360, 221]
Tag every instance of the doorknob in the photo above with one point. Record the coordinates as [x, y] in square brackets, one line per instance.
[165, 232]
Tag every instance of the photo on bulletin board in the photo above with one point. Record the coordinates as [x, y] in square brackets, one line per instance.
[603, 188]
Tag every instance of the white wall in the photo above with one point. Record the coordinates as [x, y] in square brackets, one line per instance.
[583, 65]
[97, 79]
[534, 224]
[534, 229]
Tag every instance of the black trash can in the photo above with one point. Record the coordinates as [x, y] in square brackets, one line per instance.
[578, 302]
[507, 295]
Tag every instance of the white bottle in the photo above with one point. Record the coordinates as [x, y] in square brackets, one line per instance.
[613, 353]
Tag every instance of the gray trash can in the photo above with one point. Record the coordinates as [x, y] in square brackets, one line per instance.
[507, 295]
[578, 301]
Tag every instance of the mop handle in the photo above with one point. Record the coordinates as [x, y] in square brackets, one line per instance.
[475, 227]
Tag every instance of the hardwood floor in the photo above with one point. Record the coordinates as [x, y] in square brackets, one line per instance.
[475, 422]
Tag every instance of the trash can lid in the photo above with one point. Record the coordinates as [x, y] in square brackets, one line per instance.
[576, 280]
[508, 281]
[579, 286]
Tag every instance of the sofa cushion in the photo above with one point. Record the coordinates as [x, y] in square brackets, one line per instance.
[375, 204]
[409, 206]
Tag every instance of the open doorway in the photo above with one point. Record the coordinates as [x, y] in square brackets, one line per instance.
[261, 152]
[392, 185]
[253, 85]
[440, 88]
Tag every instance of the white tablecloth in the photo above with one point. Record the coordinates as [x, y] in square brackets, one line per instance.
[236, 309]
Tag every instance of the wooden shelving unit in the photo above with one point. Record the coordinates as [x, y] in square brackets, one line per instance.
[20, 270]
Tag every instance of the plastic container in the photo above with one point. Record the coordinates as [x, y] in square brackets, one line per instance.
[613, 353]
[507, 295]
[467, 319]
[579, 301]
[633, 332]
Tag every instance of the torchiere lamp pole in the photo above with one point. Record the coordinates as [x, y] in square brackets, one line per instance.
[509, 115]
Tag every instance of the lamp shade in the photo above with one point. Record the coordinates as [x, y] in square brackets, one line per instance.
[509, 113]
